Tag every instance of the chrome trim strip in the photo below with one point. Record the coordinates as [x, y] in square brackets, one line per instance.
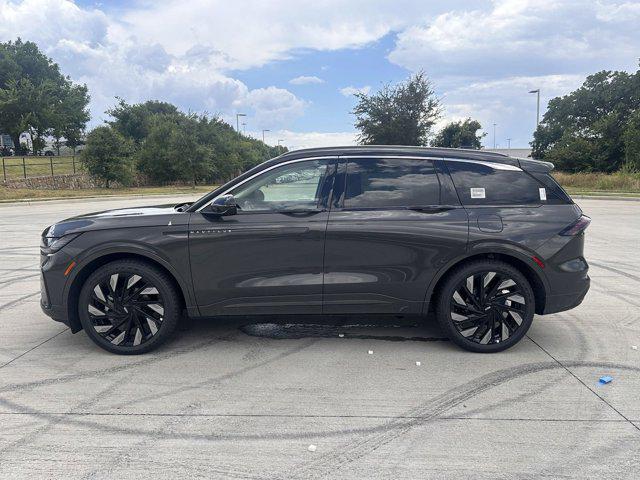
[495, 166]
[306, 159]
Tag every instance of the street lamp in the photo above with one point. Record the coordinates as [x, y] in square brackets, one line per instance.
[244, 128]
[538, 106]
[280, 140]
[238, 115]
[264, 130]
[509, 146]
[494, 136]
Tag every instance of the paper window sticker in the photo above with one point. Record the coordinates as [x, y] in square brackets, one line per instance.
[543, 193]
[478, 193]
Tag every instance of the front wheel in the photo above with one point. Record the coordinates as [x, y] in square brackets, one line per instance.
[129, 307]
[486, 306]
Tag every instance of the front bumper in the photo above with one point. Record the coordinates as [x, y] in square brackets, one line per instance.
[52, 283]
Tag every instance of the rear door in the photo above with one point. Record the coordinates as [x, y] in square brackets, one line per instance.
[267, 259]
[394, 223]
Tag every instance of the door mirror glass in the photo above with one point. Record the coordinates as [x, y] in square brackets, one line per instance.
[224, 205]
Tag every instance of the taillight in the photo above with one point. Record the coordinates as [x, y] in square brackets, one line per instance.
[578, 227]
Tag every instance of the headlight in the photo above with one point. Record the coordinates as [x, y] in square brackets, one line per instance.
[53, 244]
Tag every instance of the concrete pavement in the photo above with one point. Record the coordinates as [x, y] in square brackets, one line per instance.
[224, 402]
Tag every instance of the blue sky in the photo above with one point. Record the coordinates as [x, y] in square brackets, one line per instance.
[292, 65]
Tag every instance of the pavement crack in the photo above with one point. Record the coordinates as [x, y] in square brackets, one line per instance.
[33, 348]
[584, 384]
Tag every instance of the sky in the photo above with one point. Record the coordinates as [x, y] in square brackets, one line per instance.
[292, 66]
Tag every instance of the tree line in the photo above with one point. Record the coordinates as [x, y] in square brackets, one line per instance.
[156, 141]
[594, 128]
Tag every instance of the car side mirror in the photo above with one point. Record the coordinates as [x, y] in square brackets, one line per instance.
[223, 206]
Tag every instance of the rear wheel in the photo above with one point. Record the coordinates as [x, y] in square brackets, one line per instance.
[486, 306]
[129, 307]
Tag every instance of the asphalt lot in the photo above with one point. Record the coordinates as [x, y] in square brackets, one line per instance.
[220, 402]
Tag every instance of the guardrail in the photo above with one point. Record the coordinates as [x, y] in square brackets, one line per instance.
[23, 167]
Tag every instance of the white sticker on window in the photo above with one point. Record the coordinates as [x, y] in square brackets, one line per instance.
[543, 193]
[477, 193]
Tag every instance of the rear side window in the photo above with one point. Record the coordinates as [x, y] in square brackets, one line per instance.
[556, 194]
[381, 183]
[479, 184]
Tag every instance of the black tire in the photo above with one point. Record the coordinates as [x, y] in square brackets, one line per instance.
[129, 307]
[485, 306]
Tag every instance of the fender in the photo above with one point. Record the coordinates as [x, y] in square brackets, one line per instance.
[484, 248]
[133, 248]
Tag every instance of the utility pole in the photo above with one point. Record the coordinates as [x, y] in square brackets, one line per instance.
[494, 136]
[537, 107]
[238, 115]
[264, 130]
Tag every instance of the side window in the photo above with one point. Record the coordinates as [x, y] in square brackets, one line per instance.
[380, 183]
[479, 184]
[296, 186]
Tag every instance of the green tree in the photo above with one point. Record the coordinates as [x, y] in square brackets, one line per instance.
[631, 139]
[35, 96]
[134, 121]
[172, 151]
[592, 128]
[107, 156]
[461, 134]
[400, 114]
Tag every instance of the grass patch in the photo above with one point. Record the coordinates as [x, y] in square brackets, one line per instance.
[8, 194]
[618, 182]
[14, 167]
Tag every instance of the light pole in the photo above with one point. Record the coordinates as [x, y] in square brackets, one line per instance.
[279, 146]
[264, 130]
[538, 106]
[508, 145]
[238, 115]
[494, 136]
[244, 128]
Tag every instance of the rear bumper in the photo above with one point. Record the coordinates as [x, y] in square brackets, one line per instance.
[566, 301]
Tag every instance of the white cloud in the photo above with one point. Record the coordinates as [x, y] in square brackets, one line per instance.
[304, 80]
[524, 37]
[298, 140]
[350, 90]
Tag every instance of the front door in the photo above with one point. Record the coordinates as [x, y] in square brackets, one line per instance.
[391, 228]
[268, 258]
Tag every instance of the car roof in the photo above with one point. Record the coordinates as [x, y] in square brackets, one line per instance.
[427, 152]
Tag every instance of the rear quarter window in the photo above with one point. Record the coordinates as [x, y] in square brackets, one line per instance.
[479, 184]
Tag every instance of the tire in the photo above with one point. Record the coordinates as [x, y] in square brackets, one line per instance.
[129, 307]
[493, 313]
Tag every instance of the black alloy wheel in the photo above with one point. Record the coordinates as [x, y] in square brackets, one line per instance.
[128, 307]
[486, 306]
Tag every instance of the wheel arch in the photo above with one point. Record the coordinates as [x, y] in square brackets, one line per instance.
[518, 260]
[82, 272]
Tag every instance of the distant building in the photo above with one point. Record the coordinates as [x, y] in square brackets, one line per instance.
[513, 152]
[5, 141]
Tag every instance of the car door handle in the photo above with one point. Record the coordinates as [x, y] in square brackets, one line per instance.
[300, 213]
[431, 208]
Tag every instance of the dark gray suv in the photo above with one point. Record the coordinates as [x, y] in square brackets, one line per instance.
[482, 240]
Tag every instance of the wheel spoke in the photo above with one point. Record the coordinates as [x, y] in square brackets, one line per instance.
[487, 307]
[125, 309]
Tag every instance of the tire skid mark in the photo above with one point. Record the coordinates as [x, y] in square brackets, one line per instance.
[18, 279]
[377, 435]
[18, 300]
[150, 359]
[218, 378]
[327, 464]
[616, 270]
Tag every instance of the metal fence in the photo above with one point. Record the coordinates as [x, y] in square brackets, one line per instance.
[23, 167]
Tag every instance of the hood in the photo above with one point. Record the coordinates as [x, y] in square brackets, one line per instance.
[120, 218]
